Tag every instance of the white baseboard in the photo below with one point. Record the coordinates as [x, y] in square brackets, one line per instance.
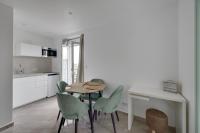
[6, 126]
[123, 108]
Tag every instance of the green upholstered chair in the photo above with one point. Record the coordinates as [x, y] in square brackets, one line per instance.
[61, 89]
[109, 105]
[71, 108]
[94, 96]
[61, 85]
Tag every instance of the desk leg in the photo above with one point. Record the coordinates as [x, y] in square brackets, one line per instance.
[130, 112]
[184, 115]
[90, 113]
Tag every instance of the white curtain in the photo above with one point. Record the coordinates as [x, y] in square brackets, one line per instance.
[80, 74]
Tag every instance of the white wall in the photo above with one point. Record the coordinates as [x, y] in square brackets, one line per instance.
[187, 56]
[32, 64]
[6, 50]
[141, 51]
[139, 48]
[56, 62]
[32, 38]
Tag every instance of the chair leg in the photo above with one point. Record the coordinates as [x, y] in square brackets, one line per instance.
[61, 123]
[117, 115]
[94, 115]
[99, 113]
[89, 113]
[76, 126]
[58, 115]
[113, 121]
[81, 99]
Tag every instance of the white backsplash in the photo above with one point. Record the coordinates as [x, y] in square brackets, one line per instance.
[32, 64]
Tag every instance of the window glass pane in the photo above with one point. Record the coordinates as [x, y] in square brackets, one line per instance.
[65, 63]
[76, 61]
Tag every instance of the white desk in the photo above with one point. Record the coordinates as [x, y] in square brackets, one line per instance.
[146, 94]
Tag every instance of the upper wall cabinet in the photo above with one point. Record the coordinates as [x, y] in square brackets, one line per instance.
[25, 49]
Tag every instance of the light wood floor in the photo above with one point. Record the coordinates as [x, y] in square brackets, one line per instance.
[40, 117]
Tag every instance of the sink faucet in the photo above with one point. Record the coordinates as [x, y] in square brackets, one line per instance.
[21, 69]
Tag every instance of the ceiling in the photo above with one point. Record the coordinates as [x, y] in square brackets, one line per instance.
[61, 17]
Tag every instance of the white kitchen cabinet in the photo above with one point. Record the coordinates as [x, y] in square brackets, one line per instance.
[52, 85]
[29, 89]
[40, 88]
[28, 50]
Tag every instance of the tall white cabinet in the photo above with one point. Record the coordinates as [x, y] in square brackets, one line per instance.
[29, 89]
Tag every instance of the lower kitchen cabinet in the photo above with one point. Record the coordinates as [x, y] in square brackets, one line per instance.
[51, 84]
[29, 89]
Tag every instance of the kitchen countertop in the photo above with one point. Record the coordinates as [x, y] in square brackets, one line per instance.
[31, 74]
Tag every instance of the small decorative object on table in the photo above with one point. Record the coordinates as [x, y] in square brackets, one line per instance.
[170, 86]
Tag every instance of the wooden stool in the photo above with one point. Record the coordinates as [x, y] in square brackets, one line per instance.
[157, 121]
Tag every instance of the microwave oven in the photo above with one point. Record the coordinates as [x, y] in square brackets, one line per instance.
[51, 52]
[48, 52]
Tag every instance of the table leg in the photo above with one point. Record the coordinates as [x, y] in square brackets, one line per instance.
[130, 112]
[90, 113]
[100, 94]
[184, 125]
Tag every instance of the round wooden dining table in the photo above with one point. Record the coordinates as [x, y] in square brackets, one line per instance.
[86, 88]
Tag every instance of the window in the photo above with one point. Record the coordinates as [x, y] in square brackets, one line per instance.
[70, 61]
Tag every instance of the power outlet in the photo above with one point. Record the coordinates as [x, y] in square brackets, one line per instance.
[124, 103]
[34, 69]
